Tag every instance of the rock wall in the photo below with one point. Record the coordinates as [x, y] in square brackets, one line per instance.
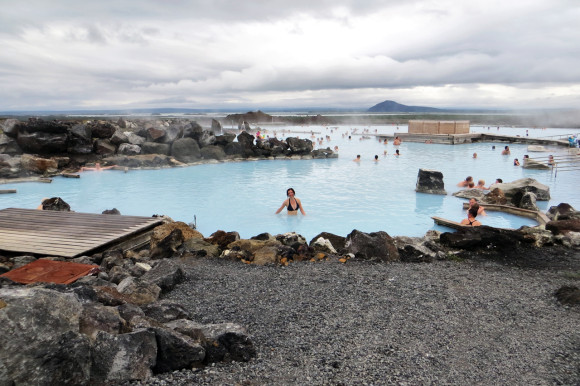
[39, 147]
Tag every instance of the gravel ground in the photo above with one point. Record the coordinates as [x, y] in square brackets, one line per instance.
[474, 321]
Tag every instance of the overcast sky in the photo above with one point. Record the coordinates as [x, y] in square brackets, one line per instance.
[71, 54]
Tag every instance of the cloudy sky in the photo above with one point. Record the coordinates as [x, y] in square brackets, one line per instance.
[232, 54]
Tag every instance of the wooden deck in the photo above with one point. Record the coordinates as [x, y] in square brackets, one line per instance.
[67, 234]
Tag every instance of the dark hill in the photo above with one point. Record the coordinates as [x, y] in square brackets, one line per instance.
[394, 107]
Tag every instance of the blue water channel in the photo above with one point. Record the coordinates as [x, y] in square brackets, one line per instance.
[338, 195]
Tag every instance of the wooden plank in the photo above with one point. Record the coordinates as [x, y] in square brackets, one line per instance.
[68, 234]
[447, 223]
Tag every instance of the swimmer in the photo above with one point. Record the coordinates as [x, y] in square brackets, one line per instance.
[506, 151]
[516, 162]
[471, 185]
[336, 148]
[97, 168]
[397, 141]
[480, 211]
[471, 215]
[474, 155]
[357, 159]
[465, 183]
[386, 141]
[498, 181]
[551, 160]
[397, 152]
[292, 203]
[376, 158]
[481, 185]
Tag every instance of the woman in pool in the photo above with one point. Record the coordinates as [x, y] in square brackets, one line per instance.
[292, 203]
[471, 215]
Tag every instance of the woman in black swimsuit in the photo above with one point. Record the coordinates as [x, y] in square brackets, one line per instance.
[471, 215]
[292, 203]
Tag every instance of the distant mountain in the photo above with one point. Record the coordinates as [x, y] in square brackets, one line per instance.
[394, 107]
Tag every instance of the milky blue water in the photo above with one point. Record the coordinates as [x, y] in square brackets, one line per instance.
[338, 195]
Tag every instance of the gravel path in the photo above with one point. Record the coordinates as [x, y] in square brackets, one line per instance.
[449, 322]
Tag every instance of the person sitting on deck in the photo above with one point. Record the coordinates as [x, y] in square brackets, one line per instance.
[465, 183]
[471, 215]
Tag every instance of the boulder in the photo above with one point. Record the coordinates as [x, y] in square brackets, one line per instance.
[134, 139]
[272, 146]
[291, 238]
[323, 153]
[165, 311]
[82, 132]
[484, 237]
[222, 239]
[235, 148]
[129, 149]
[104, 147]
[225, 139]
[172, 133]
[558, 227]
[213, 152]
[430, 181]
[102, 129]
[21, 261]
[524, 185]
[193, 130]
[121, 358]
[207, 138]
[470, 193]
[338, 242]
[563, 211]
[528, 201]
[10, 127]
[162, 248]
[266, 250]
[246, 139]
[96, 317]
[41, 343]
[155, 134]
[227, 341]
[372, 246]
[38, 165]
[416, 249]
[186, 150]
[118, 138]
[200, 247]
[9, 146]
[533, 164]
[55, 203]
[166, 274]
[156, 148]
[40, 142]
[176, 351]
[323, 245]
[495, 196]
[216, 126]
[299, 146]
[162, 231]
[138, 291]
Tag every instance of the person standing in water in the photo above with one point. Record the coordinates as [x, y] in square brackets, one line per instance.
[292, 203]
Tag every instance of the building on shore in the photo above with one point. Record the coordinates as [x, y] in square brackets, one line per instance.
[438, 127]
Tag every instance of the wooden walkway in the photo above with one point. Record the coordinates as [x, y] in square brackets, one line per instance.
[67, 234]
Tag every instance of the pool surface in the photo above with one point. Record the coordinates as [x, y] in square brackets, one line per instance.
[339, 195]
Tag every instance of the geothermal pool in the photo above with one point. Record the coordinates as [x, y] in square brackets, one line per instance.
[338, 195]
